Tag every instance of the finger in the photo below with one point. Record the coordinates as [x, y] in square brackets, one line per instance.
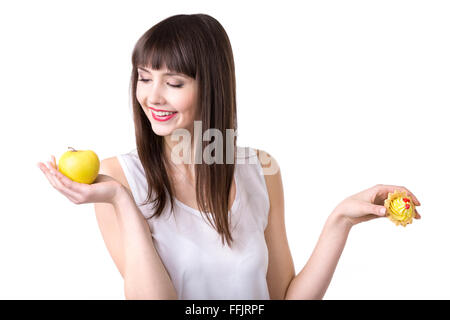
[370, 208]
[79, 188]
[69, 195]
[417, 216]
[52, 173]
[51, 164]
[416, 201]
[40, 165]
[61, 186]
[54, 162]
[385, 189]
[72, 190]
[58, 174]
[47, 174]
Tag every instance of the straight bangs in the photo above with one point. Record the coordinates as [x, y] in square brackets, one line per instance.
[165, 45]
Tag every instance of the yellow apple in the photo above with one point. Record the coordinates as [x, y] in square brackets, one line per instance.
[79, 165]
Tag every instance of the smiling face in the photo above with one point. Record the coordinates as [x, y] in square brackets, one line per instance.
[168, 99]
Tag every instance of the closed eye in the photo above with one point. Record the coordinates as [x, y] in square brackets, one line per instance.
[172, 85]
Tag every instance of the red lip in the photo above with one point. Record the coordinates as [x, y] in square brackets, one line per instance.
[163, 118]
[161, 110]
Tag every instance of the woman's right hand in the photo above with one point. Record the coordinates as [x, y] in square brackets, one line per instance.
[104, 189]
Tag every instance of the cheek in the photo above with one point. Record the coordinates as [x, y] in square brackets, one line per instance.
[185, 104]
[139, 96]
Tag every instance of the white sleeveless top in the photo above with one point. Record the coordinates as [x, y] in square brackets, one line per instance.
[199, 265]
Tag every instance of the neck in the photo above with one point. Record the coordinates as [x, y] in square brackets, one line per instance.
[181, 155]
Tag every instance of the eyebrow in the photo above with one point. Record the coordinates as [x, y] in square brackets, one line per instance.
[166, 74]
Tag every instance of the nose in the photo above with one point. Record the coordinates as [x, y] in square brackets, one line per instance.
[155, 94]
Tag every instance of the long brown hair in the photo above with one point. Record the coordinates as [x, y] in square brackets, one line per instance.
[197, 46]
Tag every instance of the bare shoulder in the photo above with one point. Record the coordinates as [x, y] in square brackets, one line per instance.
[268, 163]
[272, 177]
[111, 167]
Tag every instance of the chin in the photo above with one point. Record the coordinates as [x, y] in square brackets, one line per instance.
[162, 132]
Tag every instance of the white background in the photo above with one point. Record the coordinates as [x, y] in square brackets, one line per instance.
[344, 94]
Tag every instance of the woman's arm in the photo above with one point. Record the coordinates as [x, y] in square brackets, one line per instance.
[145, 276]
[314, 279]
[280, 271]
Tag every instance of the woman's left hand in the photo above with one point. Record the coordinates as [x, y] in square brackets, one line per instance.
[369, 204]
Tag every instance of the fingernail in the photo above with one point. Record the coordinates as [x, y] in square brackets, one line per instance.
[383, 210]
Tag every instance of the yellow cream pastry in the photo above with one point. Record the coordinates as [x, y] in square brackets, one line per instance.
[400, 208]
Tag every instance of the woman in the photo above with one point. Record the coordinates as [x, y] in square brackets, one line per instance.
[223, 234]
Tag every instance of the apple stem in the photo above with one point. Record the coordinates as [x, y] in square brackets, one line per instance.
[73, 150]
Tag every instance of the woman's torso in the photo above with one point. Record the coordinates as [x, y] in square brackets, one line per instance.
[199, 265]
